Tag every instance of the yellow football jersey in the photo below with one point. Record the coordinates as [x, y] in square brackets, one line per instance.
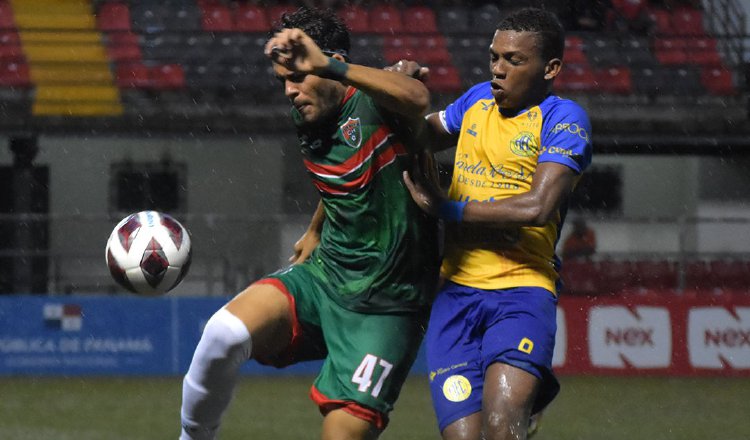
[496, 158]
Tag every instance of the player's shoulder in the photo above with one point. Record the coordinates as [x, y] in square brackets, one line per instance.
[556, 107]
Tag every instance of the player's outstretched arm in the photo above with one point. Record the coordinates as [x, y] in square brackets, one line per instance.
[296, 51]
[552, 185]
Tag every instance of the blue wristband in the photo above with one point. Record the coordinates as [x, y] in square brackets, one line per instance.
[335, 69]
[452, 211]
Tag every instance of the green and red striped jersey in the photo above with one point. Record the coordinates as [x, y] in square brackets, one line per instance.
[377, 247]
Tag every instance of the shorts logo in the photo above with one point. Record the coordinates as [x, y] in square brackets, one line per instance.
[351, 130]
[524, 145]
[456, 388]
[526, 345]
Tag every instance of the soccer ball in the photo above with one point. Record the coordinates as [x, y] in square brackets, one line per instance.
[148, 253]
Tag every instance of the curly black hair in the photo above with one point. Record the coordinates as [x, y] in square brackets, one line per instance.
[542, 22]
[325, 28]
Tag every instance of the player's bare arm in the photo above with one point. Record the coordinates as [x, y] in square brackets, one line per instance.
[552, 184]
[400, 94]
[310, 239]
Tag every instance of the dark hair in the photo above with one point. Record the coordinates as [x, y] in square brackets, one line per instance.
[543, 23]
[322, 25]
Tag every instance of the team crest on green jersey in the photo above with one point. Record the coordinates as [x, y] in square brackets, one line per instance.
[351, 130]
[524, 145]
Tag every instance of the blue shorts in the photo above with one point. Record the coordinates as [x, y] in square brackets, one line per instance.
[470, 329]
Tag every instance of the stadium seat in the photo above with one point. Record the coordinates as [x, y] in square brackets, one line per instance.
[703, 52]
[216, 18]
[167, 77]
[687, 22]
[718, 81]
[367, 49]
[119, 53]
[113, 16]
[615, 80]
[15, 74]
[575, 55]
[132, 75]
[444, 79]
[603, 52]
[148, 18]
[635, 52]
[419, 20]
[251, 18]
[184, 18]
[576, 79]
[580, 277]
[275, 12]
[730, 274]
[6, 16]
[662, 20]
[453, 20]
[484, 19]
[682, 81]
[655, 274]
[386, 19]
[615, 275]
[356, 18]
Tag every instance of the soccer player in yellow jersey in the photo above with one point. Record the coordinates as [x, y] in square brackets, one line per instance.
[520, 151]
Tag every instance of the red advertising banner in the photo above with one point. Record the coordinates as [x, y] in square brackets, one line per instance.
[660, 335]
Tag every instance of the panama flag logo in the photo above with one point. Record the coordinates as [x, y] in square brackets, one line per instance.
[65, 317]
[351, 130]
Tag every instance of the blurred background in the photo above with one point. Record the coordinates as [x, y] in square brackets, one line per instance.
[108, 107]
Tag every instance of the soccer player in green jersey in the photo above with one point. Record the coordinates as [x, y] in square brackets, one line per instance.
[358, 292]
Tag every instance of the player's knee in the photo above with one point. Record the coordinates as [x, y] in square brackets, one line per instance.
[225, 336]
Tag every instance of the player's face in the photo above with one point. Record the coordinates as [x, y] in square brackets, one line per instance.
[518, 70]
[315, 98]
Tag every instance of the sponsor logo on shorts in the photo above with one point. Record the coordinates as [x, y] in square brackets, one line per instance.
[526, 345]
[457, 388]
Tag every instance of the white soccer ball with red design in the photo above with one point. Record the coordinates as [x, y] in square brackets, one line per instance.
[148, 253]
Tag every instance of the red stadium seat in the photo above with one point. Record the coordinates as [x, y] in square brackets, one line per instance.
[718, 81]
[703, 52]
[444, 79]
[11, 52]
[656, 274]
[419, 20]
[113, 16]
[276, 11]
[575, 55]
[124, 52]
[671, 57]
[573, 42]
[616, 80]
[662, 21]
[576, 78]
[386, 19]
[14, 74]
[167, 77]
[615, 275]
[251, 18]
[216, 18]
[356, 18]
[9, 37]
[688, 22]
[132, 75]
[580, 277]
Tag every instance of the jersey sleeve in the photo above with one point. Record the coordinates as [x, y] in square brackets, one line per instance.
[452, 116]
[566, 136]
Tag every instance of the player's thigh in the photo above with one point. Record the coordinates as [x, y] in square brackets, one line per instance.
[267, 313]
[369, 358]
[340, 425]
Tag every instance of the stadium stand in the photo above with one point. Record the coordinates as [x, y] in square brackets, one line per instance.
[685, 57]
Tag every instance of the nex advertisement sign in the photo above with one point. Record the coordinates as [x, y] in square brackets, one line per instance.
[669, 336]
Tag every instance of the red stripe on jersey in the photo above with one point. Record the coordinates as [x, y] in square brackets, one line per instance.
[380, 162]
[356, 160]
[350, 91]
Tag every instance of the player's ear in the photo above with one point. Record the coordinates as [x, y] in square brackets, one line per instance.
[552, 68]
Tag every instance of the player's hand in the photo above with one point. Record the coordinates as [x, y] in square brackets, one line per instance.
[424, 193]
[410, 68]
[295, 50]
[304, 247]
